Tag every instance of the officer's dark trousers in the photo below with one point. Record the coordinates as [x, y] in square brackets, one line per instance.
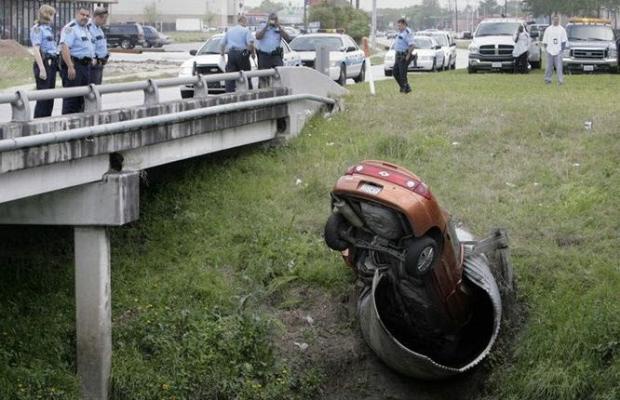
[266, 61]
[521, 64]
[237, 61]
[96, 74]
[82, 78]
[401, 66]
[44, 107]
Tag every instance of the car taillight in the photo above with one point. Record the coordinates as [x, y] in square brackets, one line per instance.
[394, 177]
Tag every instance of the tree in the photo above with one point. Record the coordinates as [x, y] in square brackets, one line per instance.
[489, 7]
[150, 14]
[341, 15]
[269, 6]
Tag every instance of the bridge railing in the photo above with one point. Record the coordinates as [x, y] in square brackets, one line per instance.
[20, 100]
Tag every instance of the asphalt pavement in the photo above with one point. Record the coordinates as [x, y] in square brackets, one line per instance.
[176, 53]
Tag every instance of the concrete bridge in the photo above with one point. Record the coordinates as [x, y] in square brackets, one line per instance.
[83, 169]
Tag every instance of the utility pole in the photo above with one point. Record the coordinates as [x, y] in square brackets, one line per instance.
[456, 16]
[373, 33]
[306, 15]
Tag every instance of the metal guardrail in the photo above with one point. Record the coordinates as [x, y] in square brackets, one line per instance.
[122, 126]
[20, 100]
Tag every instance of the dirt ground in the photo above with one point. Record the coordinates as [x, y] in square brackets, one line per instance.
[10, 48]
[323, 331]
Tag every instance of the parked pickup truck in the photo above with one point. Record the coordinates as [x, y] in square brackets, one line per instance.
[494, 40]
[591, 46]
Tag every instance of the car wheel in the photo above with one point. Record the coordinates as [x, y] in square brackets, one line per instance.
[471, 70]
[125, 44]
[342, 78]
[362, 76]
[336, 224]
[535, 64]
[147, 45]
[421, 256]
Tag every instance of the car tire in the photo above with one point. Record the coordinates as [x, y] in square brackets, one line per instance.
[422, 255]
[362, 76]
[342, 78]
[471, 70]
[125, 44]
[334, 225]
[147, 45]
[535, 64]
[388, 72]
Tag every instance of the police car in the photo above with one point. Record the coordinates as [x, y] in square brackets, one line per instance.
[207, 60]
[346, 59]
[427, 52]
[591, 46]
[448, 46]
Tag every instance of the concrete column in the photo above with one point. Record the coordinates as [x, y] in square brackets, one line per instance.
[93, 311]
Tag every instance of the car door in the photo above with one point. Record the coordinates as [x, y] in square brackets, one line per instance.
[354, 57]
[290, 58]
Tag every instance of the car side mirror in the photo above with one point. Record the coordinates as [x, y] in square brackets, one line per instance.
[438, 47]
[193, 52]
[453, 45]
[351, 48]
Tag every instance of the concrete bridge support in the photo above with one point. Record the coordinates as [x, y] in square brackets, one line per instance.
[90, 209]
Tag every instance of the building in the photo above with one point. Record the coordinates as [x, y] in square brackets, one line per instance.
[18, 16]
[214, 13]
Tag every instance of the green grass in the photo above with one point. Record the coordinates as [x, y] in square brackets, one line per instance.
[223, 242]
[187, 37]
[15, 71]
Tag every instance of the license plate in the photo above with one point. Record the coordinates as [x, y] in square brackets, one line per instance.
[496, 65]
[589, 68]
[370, 189]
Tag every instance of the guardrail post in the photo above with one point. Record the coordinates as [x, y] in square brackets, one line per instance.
[151, 93]
[21, 108]
[243, 80]
[92, 101]
[201, 89]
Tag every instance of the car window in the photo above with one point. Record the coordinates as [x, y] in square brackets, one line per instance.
[589, 33]
[441, 39]
[348, 42]
[310, 43]
[211, 46]
[423, 42]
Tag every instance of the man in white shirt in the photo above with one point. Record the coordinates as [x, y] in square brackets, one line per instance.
[555, 41]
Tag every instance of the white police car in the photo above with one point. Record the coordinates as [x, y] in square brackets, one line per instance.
[428, 53]
[208, 61]
[346, 59]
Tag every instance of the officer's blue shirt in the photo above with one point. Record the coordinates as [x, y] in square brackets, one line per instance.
[271, 40]
[238, 37]
[403, 40]
[100, 43]
[78, 39]
[42, 35]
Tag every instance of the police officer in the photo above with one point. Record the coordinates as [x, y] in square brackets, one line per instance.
[100, 43]
[268, 40]
[239, 43]
[45, 57]
[77, 56]
[403, 46]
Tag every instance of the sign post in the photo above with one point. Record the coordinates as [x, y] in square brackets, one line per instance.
[371, 79]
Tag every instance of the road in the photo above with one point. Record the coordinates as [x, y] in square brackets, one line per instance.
[176, 53]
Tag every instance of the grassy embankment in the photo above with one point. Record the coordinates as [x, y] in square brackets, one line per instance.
[188, 37]
[15, 71]
[226, 244]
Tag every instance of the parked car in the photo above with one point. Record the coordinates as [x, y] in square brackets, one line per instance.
[591, 46]
[153, 38]
[391, 34]
[493, 43]
[207, 60]
[292, 32]
[346, 59]
[448, 46]
[126, 36]
[430, 56]
[537, 30]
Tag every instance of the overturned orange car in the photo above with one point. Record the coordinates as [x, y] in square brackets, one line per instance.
[430, 306]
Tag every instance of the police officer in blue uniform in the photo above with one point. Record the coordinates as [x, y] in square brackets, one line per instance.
[403, 46]
[100, 43]
[77, 57]
[239, 43]
[268, 42]
[45, 57]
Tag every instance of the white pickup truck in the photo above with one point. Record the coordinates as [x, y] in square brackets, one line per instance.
[494, 40]
[591, 46]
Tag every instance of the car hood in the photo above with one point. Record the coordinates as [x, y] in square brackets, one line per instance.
[486, 40]
[206, 59]
[581, 44]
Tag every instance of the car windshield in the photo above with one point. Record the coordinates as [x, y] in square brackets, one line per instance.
[589, 32]
[421, 42]
[497, 29]
[310, 43]
[441, 39]
[212, 46]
